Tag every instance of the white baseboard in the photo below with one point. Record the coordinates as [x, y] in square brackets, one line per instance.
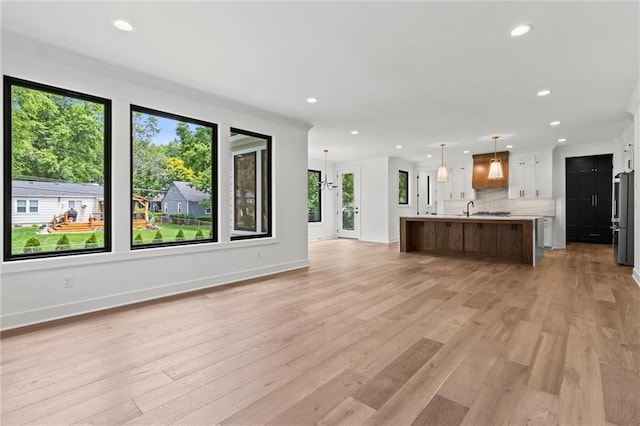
[636, 276]
[51, 313]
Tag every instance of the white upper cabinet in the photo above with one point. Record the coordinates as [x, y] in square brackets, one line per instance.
[530, 175]
[460, 179]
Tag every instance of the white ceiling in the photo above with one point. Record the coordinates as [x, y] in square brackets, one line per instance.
[415, 74]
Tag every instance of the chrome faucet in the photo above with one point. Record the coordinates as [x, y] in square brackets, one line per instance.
[472, 205]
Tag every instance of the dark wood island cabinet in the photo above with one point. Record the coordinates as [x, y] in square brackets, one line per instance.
[516, 238]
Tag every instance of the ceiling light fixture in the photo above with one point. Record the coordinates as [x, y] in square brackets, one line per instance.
[354, 132]
[520, 30]
[398, 146]
[509, 146]
[325, 184]
[466, 151]
[429, 155]
[312, 100]
[443, 173]
[495, 166]
[562, 140]
[123, 25]
[544, 92]
[554, 123]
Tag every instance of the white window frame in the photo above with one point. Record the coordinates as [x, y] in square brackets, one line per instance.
[25, 206]
[31, 205]
[179, 208]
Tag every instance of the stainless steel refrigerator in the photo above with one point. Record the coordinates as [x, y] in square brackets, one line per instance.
[623, 218]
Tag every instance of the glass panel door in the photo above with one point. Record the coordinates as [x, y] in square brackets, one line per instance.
[348, 204]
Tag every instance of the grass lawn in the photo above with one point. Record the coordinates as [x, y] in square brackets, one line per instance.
[49, 242]
[169, 232]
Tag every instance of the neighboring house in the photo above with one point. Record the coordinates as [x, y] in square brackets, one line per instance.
[181, 198]
[155, 203]
[34, 202]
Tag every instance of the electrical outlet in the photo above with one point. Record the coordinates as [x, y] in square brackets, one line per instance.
[68, 281]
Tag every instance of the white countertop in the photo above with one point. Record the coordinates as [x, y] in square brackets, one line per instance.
[478, 217]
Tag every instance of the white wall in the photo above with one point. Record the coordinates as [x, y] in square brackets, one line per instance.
[326, 229]
[396, 210]
[560, 153]
[32, 291]
[634, 108]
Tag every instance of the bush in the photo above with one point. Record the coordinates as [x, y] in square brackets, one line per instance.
[157, 238]
[208, 218]
[92, 242]
[32, 245]
[63, 243]
[138, 239]
[180, 235]
[199, 235]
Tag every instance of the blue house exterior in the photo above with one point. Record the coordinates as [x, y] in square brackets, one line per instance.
[181, 198]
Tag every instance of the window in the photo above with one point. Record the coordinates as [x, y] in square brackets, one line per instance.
[75, 204]
[251, 184]
[314, 196]
[57, 145]
[403, 187]
[173, 164]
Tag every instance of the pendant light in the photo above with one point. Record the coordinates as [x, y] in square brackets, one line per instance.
[325, 184]
[443, 172]
[495, 166]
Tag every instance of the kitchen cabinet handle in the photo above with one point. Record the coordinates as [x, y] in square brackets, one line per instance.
[596, 196]
[536, 192]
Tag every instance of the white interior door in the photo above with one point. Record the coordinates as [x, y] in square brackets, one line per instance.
[348, 204]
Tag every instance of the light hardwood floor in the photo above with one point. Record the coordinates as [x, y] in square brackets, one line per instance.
[366, 335]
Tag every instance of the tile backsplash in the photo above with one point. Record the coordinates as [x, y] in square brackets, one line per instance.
[497, 200]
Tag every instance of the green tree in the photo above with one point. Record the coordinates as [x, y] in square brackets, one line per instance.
[150, 175]
[63, 243]
[32, 245]
[157, 239]
[313, 195]
[56, 137]
[92, 242]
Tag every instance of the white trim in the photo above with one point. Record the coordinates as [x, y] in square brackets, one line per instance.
[636, 276]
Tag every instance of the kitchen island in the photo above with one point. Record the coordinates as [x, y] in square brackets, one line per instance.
[514, 237]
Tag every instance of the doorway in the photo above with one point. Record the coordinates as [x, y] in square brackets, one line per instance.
[348, 204]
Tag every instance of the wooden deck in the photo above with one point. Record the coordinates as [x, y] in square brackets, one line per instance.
[364, 336]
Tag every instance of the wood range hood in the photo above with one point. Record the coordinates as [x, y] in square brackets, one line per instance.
[481, 163]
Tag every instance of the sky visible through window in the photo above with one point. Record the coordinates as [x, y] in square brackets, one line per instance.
[167, 128]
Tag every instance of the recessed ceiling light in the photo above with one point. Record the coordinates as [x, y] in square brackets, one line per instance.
[520, 30]
[312, 100]
[466, 151]
[544, 92]
[354, 132]
[554, 123]
[509, 146]
[562, 140]
[398, 146]
[429, 155]
[123, 25]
